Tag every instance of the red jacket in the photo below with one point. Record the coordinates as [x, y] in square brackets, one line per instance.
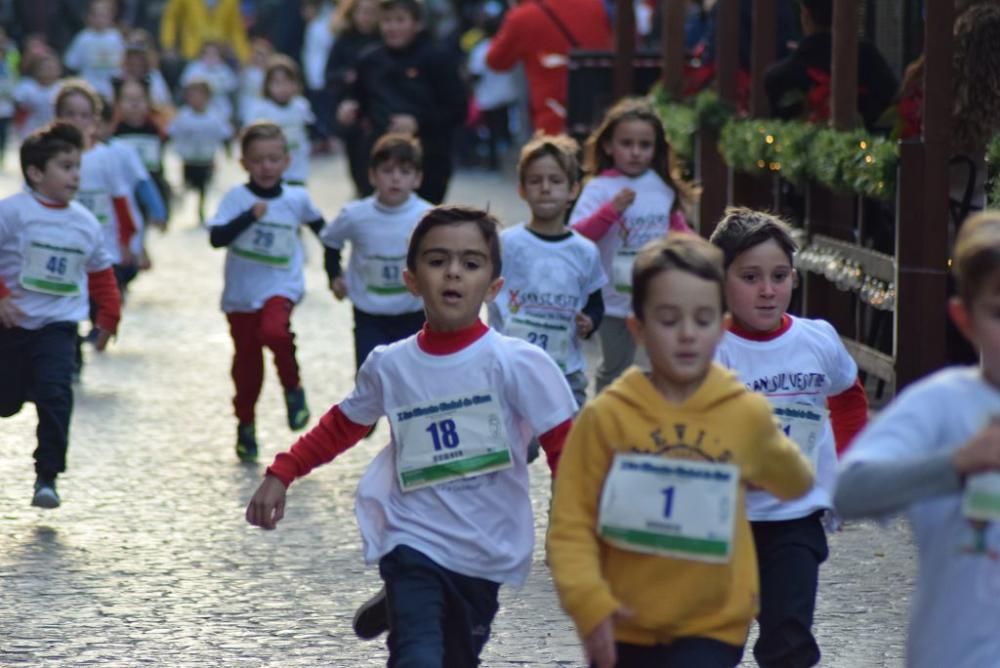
[530, 35]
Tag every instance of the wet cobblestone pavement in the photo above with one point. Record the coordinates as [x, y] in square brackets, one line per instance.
[149, 560]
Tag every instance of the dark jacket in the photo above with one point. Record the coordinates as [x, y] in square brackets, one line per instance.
[341, 66]
[789, 81]
[421, 80]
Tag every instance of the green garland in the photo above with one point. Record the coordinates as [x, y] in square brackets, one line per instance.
[681, 121]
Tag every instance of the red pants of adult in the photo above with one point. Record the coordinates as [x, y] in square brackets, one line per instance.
[269, 327]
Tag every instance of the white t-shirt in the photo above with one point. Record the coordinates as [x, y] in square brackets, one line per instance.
[480, 526]
[159, 91]
[379, 236]
[648, 218]
[316, 45]
[801, 367]
[546, 283]
[37, 101]
[953, 619]
[251, 89]
[492, 89]
[149, 147]
[293, 118]
[45, 256]
[266, 259]
[101, 180]
[97, 56]
[196, 137]
[221, 79]
[133, 173]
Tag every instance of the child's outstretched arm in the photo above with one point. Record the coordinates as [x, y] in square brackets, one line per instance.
[777, 465]
[848, 415]
[103, 289]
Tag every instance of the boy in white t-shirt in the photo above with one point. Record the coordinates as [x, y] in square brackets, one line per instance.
[551, 295]
[934, 453]
[378, 228]
[52, 258]
[805, 371]
[444, 508]
[258, 223]
[97, 51]
[35, 93]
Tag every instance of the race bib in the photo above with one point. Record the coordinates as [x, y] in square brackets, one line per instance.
[383, 275]
[621, 270]
[670, 507]
[97, 202]
[981, 499]
[295, 136]
[803, 424]
[149, 149]
[52, 269]
[460, 437]
[268, 243]
[552, 336]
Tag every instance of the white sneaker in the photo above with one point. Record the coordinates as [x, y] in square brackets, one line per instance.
[45, 495]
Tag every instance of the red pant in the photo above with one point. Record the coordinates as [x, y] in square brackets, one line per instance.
[251, 332]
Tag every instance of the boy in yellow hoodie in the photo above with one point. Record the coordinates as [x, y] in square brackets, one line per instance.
[649, 543]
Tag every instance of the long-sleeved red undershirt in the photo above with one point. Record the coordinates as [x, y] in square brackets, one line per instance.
[103, 289]
[126, 224]
[597, 224]
[336, 433]
[848, 410]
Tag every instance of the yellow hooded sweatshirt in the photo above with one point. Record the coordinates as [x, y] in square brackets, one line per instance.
[670, 597]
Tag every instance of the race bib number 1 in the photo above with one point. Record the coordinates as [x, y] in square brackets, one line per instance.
[670, 507]
[803, 424]
[460, 437]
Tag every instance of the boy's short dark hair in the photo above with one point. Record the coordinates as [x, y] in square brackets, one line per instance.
[681, 252]
[561, 148]
[821, 11]
[259, 131]
[397, 148]
[72, 87]
[488, 225]
[741, 229]
[46, 143]
[414, 7]
[977, 255]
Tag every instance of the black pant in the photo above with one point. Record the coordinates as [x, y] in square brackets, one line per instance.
[437, 618]
[372, 330]
[38, 366]
[789, 554]
[682, 653]
[436, 172]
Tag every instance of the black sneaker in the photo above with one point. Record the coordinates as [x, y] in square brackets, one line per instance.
[246, 442]
[45, 494]
[298, 412]
[372, 619]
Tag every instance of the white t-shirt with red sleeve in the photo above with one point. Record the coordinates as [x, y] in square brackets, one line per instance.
[266, 259]
[46, 252]
[797, 371]
[474, 410]
[647, 218]
[101, 180]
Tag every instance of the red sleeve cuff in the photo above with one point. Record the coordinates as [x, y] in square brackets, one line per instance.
[552, 443]
[597, 224]
[678, 222]
[334, 434]
[848, 414]
[103, 289]
[126, 225]
[4, 290]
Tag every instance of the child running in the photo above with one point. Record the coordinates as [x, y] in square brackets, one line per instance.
[96, 52]
[630, 199]
[378, 228]
[52, 260]
[259, 224]
[139, 127]
[282, 103]
[649, 544]
[196, 135]
[551, 295]
[444, 507]
[805, 371]
[35, 93]
[934, 453]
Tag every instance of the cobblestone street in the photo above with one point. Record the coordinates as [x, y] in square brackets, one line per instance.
[150, 562]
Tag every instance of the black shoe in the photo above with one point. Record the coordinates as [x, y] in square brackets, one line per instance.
[246, 442]
[372, 619]
[45, 493]
[298, 412]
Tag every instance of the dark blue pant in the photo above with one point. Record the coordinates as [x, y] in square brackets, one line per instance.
[682, 653]
[789, 554]
[38, 366]
[372, 330]
[437, 618]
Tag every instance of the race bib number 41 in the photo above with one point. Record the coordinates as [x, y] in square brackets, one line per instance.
[670, 507]
[383, 275]
[460, 437]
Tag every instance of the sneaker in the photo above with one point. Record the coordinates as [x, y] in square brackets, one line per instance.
[246, 442]
[372, 619]
[298, 412]
[45, 494]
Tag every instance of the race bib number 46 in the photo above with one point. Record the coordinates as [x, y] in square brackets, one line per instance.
[460, 437]
[52, 269]
[670, 507]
